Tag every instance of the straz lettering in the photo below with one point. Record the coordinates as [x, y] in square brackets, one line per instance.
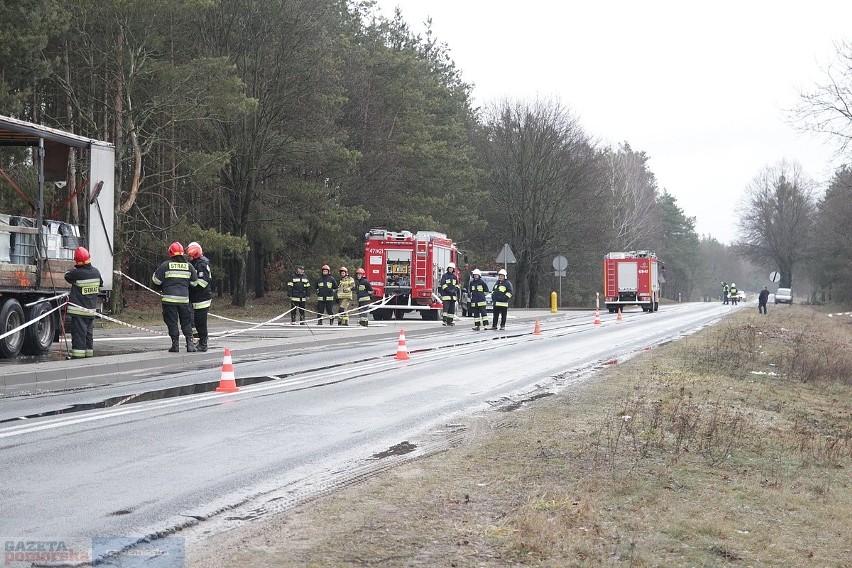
[90, 290]
[178, 266]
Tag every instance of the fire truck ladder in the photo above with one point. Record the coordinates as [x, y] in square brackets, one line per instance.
[420, 258]
[611, 282]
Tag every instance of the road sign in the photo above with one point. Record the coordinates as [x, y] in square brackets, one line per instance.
[774, 276]
[506, 256]
[560, 273]
[560, 263]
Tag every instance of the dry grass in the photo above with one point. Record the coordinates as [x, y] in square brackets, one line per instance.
[733, 447]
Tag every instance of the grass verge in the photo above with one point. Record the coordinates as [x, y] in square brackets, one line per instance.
[731, 447]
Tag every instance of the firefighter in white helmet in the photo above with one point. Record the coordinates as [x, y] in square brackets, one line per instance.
[478, 288]
[450, 293]
[500, 296]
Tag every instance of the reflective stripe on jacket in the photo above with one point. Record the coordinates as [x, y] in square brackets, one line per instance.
[478, 288]
[298, 287]
[364, 290]
[326, 286]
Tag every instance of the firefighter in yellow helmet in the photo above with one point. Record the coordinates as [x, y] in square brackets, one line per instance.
[345, 296]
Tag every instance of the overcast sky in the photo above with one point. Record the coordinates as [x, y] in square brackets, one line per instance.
[703, 88]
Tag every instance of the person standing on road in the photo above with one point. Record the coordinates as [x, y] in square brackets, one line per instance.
[450, 293]
[725, 291]
[298, 288]
[732, 294]
[478, 289]
[364, 291]
[326, 288]
[175, 277]
[500, 296]
[86, 284]
[762, 300]
[345, 296]
[200, 296]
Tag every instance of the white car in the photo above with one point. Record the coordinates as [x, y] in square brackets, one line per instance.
[784, 296]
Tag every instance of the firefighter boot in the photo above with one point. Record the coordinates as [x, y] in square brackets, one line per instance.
[202, 344]
[175, 345]
[319, 320]
[190, 346]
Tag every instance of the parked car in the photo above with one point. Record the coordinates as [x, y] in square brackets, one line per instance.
[490, 278]
[784, 296]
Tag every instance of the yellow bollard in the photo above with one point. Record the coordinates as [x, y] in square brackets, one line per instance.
[553, 302]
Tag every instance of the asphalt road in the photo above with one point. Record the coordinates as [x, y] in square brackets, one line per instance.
[151, 451]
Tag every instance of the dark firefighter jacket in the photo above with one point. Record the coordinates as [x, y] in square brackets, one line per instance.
[175, 277]
[501, 294]
[86, 284]
[478, 288]
[449, 286]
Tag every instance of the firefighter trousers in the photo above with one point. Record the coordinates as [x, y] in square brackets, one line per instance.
[449, 311]
[178, 317]
[298, 306]
[82, 337]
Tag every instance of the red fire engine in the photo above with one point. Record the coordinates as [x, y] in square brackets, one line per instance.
[406, 268]
[632, 279]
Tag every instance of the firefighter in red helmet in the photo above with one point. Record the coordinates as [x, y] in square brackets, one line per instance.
[86, 283]
[175, 277]
[364, 291]
[200, 296]
[345, 296]
[326, 290]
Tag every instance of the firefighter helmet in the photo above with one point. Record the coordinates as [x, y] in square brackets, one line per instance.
[82, 256]
[343, 269]
[194, 251]
[360, 272]
[733, 285]
[502, 272]
[175, 249]
[325, 267]
[451, 265]
[476, 272]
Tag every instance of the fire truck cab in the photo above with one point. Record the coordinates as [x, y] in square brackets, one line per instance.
[405, 269]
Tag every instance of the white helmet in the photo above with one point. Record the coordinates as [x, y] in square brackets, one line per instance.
[451, 265]
[733, 285]
[476, 272]
[502, 272]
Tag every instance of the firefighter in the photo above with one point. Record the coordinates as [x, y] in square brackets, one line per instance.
[364, 291]
[326, 288]
[86, 283]
[200, 296]
[732, 294]
[345, 296]
[298, 288]
[478, 289]
[725, 291]
[450, 293]
[175, 277]
[500, 296]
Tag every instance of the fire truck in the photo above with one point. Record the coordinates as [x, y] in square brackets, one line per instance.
[632, 279]
[405, 269]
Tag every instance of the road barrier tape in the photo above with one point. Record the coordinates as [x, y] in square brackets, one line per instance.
[113, 320]
[120, 273]
[42, 300]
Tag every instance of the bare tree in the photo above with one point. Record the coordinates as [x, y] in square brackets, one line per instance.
[827, 109]
[541, 165]
[633, 198]
[777, 221]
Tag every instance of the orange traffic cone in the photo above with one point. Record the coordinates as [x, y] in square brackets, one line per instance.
[619, 315]
[597, 317]
[227, 383]
[402, 348]
[537, 330]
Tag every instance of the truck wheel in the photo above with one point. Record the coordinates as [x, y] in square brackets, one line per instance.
[11, 316]
[429, 315]
[39, 336]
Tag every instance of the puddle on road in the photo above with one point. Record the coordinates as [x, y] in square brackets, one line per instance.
[158, 394]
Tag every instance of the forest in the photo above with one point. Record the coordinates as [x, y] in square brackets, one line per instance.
[278, 132]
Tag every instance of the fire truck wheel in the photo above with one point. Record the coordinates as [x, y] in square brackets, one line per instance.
[39, 336]
[11, 316]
